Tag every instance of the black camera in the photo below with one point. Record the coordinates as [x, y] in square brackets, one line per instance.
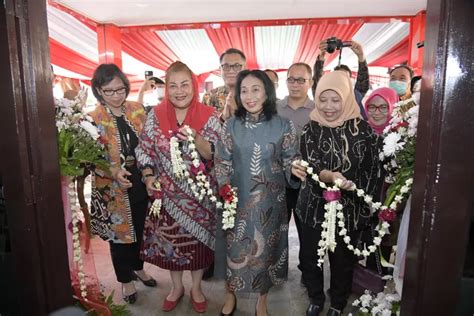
[335, 43]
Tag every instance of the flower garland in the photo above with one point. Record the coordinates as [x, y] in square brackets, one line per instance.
[230, 206]
[157, 195]
[199, 184]
[76, 244]
[334, 213]
[177, 161]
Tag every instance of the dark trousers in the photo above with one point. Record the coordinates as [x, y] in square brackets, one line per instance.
[291, 199]
[125, 257]
[341, 261]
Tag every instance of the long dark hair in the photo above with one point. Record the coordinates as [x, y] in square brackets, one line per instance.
[269, 106]
[104, 74]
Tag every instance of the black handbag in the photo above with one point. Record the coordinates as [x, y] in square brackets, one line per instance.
[366, 279]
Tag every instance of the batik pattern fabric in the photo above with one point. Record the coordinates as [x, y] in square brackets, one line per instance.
[216, 98]
[351, 149]
[183, 236]
[255, 156]
[111, 215]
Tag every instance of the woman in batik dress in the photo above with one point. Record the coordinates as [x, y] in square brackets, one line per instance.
[183, 236]
[255, 156]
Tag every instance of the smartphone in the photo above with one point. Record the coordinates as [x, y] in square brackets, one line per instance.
[148, 74]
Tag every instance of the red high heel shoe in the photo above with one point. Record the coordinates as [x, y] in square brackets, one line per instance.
[168, 306]
[199, 307]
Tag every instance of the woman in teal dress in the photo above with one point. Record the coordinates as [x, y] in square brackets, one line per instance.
[255, 156]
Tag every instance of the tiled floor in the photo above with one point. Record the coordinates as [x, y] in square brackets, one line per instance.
[286, 300]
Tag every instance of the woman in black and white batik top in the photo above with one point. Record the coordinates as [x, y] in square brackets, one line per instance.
[338, 144]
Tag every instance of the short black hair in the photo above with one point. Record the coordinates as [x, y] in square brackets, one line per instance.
[104, 74]
[414, 80]
[157, 80]
[273, 72]
[343, 67]
[269, 106]
[402, 66]
[305, 65]
[232, 51]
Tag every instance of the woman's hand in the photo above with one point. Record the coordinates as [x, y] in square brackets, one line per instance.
[121, 177]
[298, 171]
[344, 183]
[150, 187]
[183, 133]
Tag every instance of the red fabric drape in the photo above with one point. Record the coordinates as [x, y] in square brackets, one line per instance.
[312, 35]
[242, 38]
[68, 59]
[398, 54]
[149, 48]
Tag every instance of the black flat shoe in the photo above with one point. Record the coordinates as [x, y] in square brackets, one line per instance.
[150, 282]
[314, 310]
[130, 299]
[233, 308]
[334, 312]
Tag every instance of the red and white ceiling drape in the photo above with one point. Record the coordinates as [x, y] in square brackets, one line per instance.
[74, 46]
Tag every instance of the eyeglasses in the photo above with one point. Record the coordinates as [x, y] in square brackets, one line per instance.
[382, 108]
[235, 67]
[110, 93]
[297, 80]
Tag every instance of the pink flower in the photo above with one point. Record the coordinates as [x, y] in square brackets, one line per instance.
[226, 193]
[195, 170]
[331, 196]
[387, 215]
[399, 125]
[156, 195]
[79, 226]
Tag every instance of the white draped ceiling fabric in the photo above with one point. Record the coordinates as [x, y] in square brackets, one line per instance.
[274, 46]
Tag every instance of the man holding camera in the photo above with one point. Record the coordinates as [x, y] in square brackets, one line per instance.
[151, 84]
[362, 83]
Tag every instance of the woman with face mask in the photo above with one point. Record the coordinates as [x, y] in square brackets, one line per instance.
[338, 145]
[400, 78]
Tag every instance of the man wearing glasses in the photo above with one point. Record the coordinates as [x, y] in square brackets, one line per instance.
[296, 107]
[222, 98]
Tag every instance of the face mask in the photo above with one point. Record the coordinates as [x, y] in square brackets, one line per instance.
[399, 86]
[160, 93]
[416, 97]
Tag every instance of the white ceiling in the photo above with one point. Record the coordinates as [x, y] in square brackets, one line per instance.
[149, 12]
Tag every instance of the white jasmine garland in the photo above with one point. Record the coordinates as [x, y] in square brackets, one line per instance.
[77, 252]
[200, 185]
[334, 213]
[156, 205]
[176, 160]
